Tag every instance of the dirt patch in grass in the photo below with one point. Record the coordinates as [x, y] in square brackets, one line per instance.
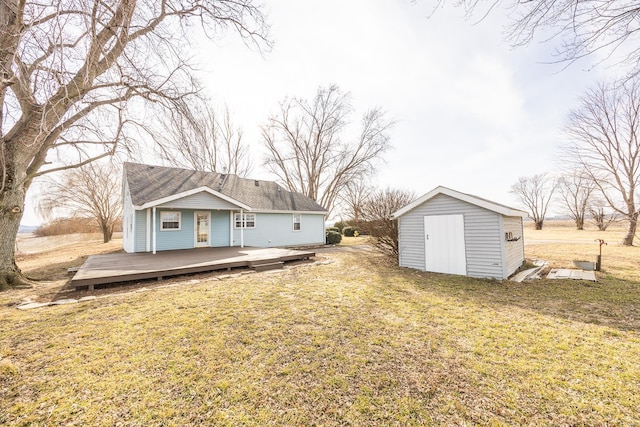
[351, 342]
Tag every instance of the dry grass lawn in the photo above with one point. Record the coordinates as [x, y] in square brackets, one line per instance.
[356, 341]
[560, 243]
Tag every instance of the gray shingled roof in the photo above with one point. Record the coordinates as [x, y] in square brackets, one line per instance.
[150, 183]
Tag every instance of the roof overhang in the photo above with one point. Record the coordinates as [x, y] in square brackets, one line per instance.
[486, 204]
[284, 211]
[184, 194]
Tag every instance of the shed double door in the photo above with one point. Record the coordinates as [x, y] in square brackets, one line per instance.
[444, 246]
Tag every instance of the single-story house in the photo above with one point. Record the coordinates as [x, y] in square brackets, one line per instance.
[171, 208]
[446, 231]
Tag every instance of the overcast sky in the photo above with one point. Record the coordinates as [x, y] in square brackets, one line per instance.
[472, 113]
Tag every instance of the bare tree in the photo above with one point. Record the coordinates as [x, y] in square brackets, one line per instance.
[90, 191]
[604, 142]
[354, 196]
[576, 188]
[535, 193]
[74, 72]
[608, 27]
[196, 137]
[308, 151]
[376, 217]
[600, 218]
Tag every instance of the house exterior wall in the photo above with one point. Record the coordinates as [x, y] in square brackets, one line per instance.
[175, 239]
[185, 237]
[272, 229]
[128, 220]
[276, 229]
[514, 250]
[140, 231]
[201, 201]
[483, 235]
[220, 226]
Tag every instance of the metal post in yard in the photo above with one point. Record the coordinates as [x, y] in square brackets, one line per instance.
[599, 260]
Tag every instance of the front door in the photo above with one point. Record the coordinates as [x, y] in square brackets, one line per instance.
[444, 246]
[202, 229]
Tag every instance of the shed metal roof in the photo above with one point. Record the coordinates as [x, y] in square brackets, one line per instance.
[153, 185]
[469, 198]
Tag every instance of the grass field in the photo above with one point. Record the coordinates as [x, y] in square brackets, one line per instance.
[354, 341]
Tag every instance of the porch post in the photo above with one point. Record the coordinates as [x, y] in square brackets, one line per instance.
[154, 229]
[241, 228]
[147, 245]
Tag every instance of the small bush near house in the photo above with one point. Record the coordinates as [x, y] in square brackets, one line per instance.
[333, 237]
[349, 231]
[337, 230]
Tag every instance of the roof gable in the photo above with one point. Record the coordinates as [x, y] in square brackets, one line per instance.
[153, 185]
[188, 193]
[469, 198]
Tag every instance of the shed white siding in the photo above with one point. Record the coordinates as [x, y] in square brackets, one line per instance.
[483, 235]
[514, 249]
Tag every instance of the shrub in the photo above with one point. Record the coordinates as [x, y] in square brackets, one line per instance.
[333, 237]
[349, 231]
[337, 230]
[377, 221]
[74, 225]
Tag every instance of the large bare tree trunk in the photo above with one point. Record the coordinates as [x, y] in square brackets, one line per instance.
[631, 231]
[107, 232]
[11, 208]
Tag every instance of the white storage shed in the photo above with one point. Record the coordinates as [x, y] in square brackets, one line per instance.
[446, 231]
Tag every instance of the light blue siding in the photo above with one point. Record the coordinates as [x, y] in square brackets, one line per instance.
[276, 229]
[483, 235]
[176, 239]
[200, 201]
[220, 224]
[140, 235]
[272, 229]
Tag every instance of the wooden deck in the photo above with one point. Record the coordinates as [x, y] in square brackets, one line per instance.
[123, 267]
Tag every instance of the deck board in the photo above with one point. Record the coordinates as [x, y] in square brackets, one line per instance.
[124, 267]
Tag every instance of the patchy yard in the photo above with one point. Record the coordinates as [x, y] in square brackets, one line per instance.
[353, 342]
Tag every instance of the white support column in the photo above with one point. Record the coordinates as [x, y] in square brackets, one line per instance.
[241, 228]
[148, 244]
[154, 229]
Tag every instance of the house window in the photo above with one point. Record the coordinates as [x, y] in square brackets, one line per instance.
[247, 220]
[296, 222]
[170, 220]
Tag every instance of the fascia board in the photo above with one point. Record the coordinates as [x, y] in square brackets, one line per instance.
[460, 196]
[190, 193]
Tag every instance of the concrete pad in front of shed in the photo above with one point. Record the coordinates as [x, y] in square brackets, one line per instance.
[565, 273]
